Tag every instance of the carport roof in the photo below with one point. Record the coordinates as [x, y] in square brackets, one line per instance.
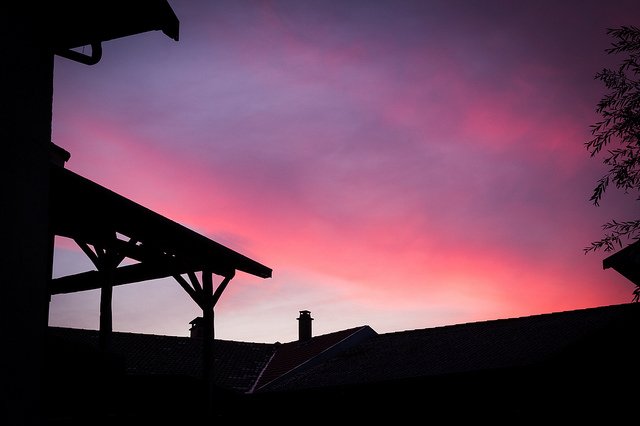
[91, 214]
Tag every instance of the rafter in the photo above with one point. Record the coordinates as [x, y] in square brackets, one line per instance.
[193, 293]
[90, 213]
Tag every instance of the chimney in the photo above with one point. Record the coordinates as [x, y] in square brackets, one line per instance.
[304, 325]
[197, 328]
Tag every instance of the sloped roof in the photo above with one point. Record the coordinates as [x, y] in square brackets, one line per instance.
[472, 347]
[85, 211]
[381, 358]
[297, 355]
[236, 364]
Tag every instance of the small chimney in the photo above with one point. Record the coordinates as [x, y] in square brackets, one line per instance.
[304, 325]
[197, 328]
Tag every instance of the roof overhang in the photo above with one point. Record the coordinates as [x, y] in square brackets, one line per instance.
[77, 23]
[92, 214]
[69, 24]
[626, 262]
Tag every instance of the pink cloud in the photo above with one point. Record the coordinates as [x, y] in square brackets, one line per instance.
[375, 162]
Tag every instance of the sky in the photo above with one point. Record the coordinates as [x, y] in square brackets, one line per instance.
[398, 164]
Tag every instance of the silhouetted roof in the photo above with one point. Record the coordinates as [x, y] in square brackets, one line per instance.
[370, 358]
[74, 23]
[236, 367]
[626, 262]
[85, 211]
[302, 354]
[465, 348]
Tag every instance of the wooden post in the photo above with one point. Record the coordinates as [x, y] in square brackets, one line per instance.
[206, 298]
[106, 262]
[207, 340]
[106, 314]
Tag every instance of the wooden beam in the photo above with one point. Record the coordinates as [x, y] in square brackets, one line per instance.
[83, 209]
[220, 289]
[90, 280]
[193, 293]
[93, 256]
[194, 280]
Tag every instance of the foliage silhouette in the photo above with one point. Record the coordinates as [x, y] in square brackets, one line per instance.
[620, 127]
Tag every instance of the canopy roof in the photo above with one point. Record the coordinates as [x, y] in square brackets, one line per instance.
[92, 214]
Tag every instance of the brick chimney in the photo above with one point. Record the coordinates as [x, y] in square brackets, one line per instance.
[304, 325]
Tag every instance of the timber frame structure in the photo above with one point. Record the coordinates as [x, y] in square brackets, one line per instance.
[110, 228]
[44, 200]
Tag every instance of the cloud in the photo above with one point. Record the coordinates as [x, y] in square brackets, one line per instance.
[409, 160]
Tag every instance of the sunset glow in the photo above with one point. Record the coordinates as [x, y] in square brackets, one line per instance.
[403, 165]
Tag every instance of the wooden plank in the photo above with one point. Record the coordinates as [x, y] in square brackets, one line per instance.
[193, 293]
[90, 280]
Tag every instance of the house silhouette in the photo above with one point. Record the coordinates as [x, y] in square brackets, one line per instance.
[569, 366]
[566, 366]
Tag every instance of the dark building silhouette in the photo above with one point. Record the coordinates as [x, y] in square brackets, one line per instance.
[42, 200]
[566, 366]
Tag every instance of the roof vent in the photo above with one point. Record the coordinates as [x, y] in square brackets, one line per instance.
[304, 325]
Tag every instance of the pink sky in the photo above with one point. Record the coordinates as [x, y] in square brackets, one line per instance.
[403, 165]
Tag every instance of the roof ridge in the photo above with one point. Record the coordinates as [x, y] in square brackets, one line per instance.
[516, 318]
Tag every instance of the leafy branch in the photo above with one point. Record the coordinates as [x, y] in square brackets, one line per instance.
[614, 232]
[617, 134]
